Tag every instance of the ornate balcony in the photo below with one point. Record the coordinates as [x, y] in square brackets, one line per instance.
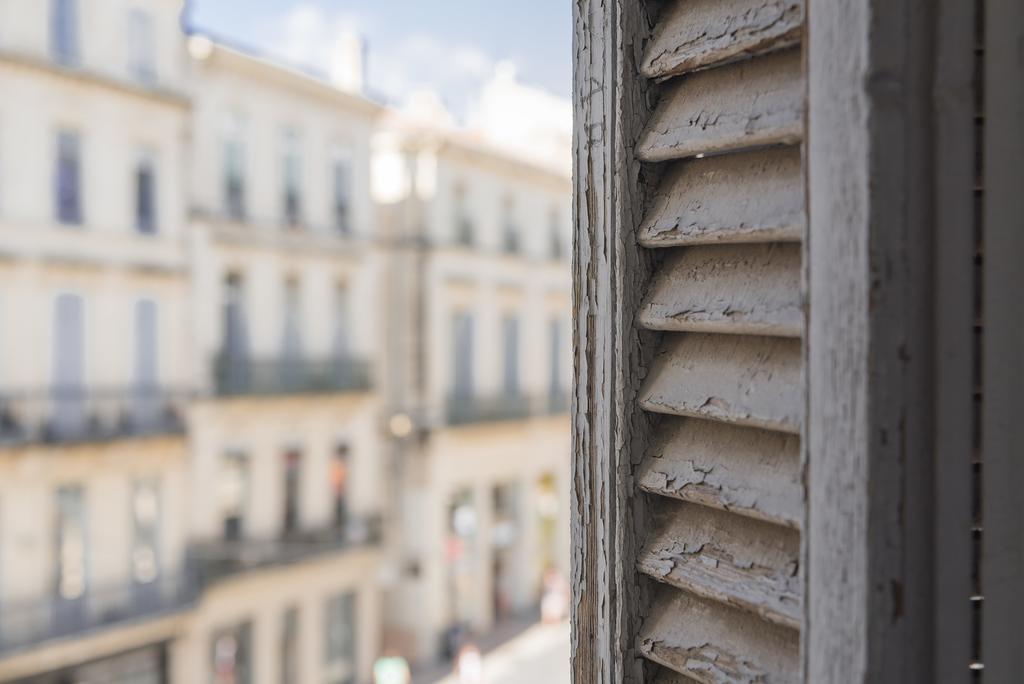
[24, 624]
[78, 414]
[239, 376]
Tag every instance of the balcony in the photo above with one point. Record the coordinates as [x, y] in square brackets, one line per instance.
[268, 377]
[468, 410]
[220, 558]
[31, 623]
[77, 414]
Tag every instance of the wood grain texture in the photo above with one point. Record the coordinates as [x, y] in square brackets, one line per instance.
[754, 473]
[727, 558]
[714, 643]
[746, 104]
[693, 34]
[750, 197]
[738, 289]
[752, 381]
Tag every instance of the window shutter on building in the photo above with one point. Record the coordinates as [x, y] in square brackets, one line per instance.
[777, 323]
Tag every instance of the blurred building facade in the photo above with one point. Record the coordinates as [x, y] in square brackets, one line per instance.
[253, 423]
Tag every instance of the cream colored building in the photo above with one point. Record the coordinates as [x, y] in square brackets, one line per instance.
[94, 293]
[478, 294]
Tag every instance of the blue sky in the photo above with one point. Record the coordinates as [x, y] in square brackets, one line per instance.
[448, 45]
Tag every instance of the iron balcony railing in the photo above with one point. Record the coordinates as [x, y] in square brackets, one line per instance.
[80, 414]
[240, 376]
[25, 624]
[219, 558]
[465, 410]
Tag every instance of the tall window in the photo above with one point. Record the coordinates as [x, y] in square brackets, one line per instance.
[510, 345]
[71, 580]
[68, 381]
[291, 173]
[231, 653]
[234, 169]
[64, 31]
[292, 489]
[462, 355]
[146, 371]
[141, 46]
[555, 338]
[233, 366]
[234, 494]
[145, 195]
[67, 179]
[145, 512]
[291, 335]
[339, 484]
[290, 646]
[557, 249]
[340, 639]
[510, 229]
[464, 231]
[341, 173]
[341, 341]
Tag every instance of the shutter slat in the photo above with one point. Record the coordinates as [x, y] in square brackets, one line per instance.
[751, 197]
[698, 33]
[746, 104]
[737, 379]
[755, 473]
[746, 564]
[744, 289]
[711, 642]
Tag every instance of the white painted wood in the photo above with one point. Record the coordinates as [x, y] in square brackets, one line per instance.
[752, 381]
[714, 643]
[693, 34]
[745, 104]
[727, 558]
[754, 473]
[751, 197]
[739, 289]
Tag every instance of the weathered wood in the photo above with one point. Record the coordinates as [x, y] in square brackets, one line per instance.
[745, 104]
[1002, 434]
[711, 642]
[665, 676]
[692, 34]
[728, 558]
[868, 436]
[609, 270]
[754, 473]
[751, 197]
[740, 289]
[752, 381]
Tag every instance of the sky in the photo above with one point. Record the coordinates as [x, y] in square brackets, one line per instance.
[450, 46]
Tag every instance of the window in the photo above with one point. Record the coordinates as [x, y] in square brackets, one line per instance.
[510, 339]
[340, 639]
[146, 404]
[234, 494]
[141, 46]
[342, 186]
[557, 249]
[342, 315]
[291, 335]
[510, 231]
[67, 192]
[290, 646]
[70, 544]
[234, 169]
[291, 170]
[233, 365]
[462, 355]
[464, 231]
[145, 196]
[555, 337]
[145, 513]
[68, 380]
[339, 484]
[64, 31]
[292, 489]
[231, 651]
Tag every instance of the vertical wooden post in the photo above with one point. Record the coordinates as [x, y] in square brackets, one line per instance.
[609, 271]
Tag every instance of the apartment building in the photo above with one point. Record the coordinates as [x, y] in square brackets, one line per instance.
[94, 293]
[478, 294]
[285, 469]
